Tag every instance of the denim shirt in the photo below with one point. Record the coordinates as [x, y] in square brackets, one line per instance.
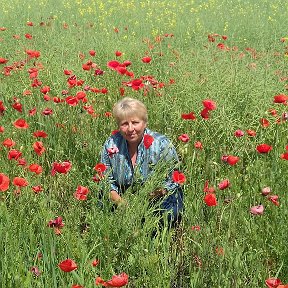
[120, 171]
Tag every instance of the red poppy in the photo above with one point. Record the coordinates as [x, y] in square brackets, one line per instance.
[2, 107]
[281, 98]
[208, 189]
[20, 182]
[224, 184]
[196, 228]
[146, 59]
[210, 199]
[209, 104]
[104, 90]
[118, 53]
[21, 162]
[121, 70]
[39, 148]
[116, 281]
[35, 271]
[274, 199]
[8, 143]
[95, 262]
[4, 182]
[135, 84]
[184, 138]
[62, 167]
[17, 106]
[273, 282]
[222, 46]
[32, 111]
[2, 129]
[147, 140]
[36, 83]
[127, 63]
[198, 145]
[47, 111]
[28, 36]
[37, 169]
[178, 177]
[3, 60]
[71, 100]
[37, 189]
[80, 95]
[273, 112]
[205, 114]
[284, 156]
[251, 133]
[266, 191]
[40, 133]
[264, 122]
[239, 133]
[33, 73]
[33, 53]
[188, 116]
[56, 223]
[81, 193]
[113, 64]
[21, 124]
[14, 154]
[264, 148]
[100, 167]
[257, 210]
[232, 160]
[92, 53]
[67, 265]
[108, 114]
[67, 72]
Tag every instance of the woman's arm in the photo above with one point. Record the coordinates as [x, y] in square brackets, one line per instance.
[114, 190]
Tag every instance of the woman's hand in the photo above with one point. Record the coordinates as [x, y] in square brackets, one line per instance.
[117, 199]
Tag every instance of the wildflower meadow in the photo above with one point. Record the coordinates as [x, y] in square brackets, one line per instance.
[213, 75]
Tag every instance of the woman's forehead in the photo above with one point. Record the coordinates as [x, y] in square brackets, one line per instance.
[131, 119]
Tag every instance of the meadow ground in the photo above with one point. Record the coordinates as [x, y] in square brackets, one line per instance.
[63, 66]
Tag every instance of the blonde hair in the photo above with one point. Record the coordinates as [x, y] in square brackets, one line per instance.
[129, 107]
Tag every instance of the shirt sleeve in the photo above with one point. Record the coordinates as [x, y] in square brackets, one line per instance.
[105, 159]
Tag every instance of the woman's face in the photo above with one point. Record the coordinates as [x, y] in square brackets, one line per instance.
[132, 129]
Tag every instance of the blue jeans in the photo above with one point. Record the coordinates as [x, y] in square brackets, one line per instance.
[172, 206]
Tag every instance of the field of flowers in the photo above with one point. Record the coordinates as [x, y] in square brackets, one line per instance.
[214, 77]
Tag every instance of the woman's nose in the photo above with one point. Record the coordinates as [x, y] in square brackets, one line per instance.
[130, 127]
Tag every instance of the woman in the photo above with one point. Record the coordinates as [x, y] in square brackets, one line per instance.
[136, 148]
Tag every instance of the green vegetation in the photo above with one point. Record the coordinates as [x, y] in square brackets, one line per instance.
[232, 52]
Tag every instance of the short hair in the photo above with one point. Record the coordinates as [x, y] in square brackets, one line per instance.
[129, 107]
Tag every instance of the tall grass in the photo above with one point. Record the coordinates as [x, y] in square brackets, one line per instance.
[220, 246]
